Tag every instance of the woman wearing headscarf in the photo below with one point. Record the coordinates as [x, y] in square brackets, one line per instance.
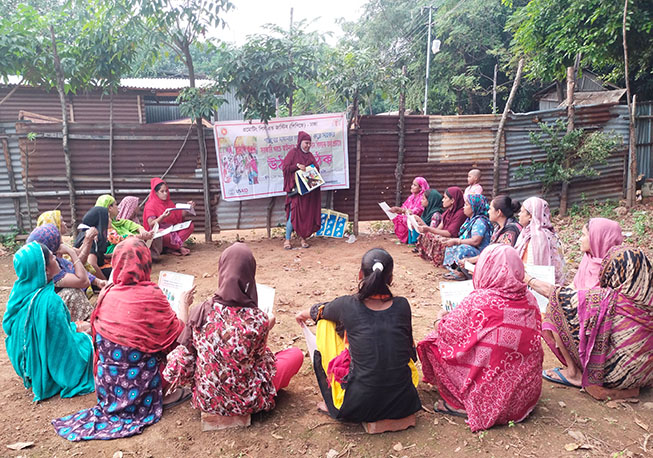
[96, 218]
[599, 235]
[365, 357]
[71, 282]
[223, 353]
[485, 356]
[474, 236]
[44, 346]
[603, 335]
[54, 217]
[133, 327]
[127, 208]
[302, 212]
[158, 210]
[432, 204]
[120, 228]
[411, 206]
[429, 243]
[538, 243]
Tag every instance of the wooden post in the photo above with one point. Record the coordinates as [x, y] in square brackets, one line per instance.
[12, 183]
[64, 132]
[113, 190]
[357, 187]
[240, 212]
[571, 113]
[29, 207]
[268, 222]
[399, 169]
[502, 123]
[632, 144]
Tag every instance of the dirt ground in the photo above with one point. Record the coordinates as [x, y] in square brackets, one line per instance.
[566, 422]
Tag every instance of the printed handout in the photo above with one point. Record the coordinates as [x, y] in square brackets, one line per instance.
[386, 208]
[174, 285]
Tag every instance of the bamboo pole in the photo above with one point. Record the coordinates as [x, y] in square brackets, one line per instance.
[399, 169]
[113, 190]
[632, 143]
[502, 123]
[571, 124]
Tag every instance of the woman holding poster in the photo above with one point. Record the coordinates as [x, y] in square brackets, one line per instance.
[302, 211]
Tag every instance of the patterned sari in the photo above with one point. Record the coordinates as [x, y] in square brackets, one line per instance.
[486, 355]
[608, 331]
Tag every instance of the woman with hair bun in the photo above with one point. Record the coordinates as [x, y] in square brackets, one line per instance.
[506, 227]
[365, 354]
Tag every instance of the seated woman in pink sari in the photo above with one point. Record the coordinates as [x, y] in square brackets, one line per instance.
[412, 206]
[485, 356]
[604, 335]
[599, 235]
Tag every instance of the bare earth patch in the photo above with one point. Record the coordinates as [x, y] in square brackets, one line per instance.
[566, 422]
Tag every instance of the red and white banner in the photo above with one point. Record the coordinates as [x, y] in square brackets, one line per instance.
[250, 154]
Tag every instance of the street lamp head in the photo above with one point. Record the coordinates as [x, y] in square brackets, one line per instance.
[435, 46]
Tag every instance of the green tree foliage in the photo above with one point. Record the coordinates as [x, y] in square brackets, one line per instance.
[569, 155]
[269, 69]
[551, 33]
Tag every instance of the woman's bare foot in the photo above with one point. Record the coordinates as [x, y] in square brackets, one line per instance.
[322, 407]
[184, 251]
[443, 407]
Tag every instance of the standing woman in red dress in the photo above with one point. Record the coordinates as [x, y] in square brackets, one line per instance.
[302, 212]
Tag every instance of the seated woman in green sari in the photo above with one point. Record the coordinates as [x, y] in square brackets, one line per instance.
[120, 228]
[39, 331]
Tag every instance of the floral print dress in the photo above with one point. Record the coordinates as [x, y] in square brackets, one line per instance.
[229, 365]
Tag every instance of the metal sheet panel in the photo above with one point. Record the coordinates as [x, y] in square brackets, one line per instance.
[468, 138]
[644, 122]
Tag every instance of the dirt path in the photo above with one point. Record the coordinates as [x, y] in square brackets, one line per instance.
[564, 418]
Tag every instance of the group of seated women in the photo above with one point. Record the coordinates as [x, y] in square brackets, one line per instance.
[485, 356]
[456, 227]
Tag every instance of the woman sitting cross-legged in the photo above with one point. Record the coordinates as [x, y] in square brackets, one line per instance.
[485, 356]
[603, 335]
[429, 243]
[133, 327]
[599, 235]
[120, 228]
[365, 354]
[49, 352]
[411, 206]
[223, 353]
[474, 236]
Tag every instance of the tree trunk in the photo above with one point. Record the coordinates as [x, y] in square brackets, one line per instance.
[632, 144]
[502, 123]
[571, 112]
[357, 188]
[111, 185]
[399, 169]
[203, 154]
[64, 131]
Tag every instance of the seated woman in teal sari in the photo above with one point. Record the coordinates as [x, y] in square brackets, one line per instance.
[39, 331]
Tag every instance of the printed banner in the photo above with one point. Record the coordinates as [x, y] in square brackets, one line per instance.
[250, 154]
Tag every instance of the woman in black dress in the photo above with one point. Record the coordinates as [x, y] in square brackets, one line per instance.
[365, 355]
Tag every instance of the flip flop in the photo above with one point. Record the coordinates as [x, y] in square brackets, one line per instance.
[305, 245]
[287, 246]
[186, 394]
[448, 410]
[562, 380]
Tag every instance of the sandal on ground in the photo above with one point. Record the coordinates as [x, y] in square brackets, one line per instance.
[442, 407]
[185, 395]
[287, 245]
[562, 380]
[453, 276]
[305, 245]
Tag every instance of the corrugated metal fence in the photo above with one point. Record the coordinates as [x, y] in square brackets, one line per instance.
[644, 118]
[440, 148]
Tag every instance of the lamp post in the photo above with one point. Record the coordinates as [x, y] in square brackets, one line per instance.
[434, 48]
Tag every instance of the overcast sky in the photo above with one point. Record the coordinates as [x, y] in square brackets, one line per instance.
[249, 15]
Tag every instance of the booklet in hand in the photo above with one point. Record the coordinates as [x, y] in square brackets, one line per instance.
[306, 181]
[174, 285]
